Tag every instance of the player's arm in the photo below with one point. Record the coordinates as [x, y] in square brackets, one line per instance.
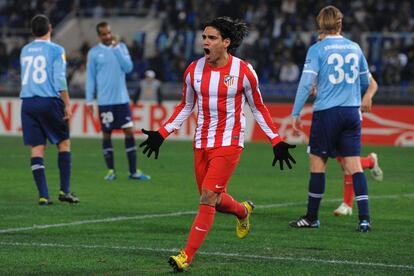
[306, 86]
[60, 82]
[263, 118]
[366, 103]
[90, 81]
[65, 98]
[123, 57]
[181, 113]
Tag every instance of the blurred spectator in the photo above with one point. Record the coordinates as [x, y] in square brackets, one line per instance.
[279, 33]
[289, 72]
[149, 89]
[79, 77]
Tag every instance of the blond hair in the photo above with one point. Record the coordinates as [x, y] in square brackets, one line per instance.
[329, 20]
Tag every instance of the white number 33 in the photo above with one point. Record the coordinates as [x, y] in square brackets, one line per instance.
[340, 75]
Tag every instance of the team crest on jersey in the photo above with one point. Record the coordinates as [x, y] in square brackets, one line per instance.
[229, 80]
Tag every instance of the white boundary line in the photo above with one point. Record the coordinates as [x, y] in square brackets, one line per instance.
[175, 214]
[236, 255]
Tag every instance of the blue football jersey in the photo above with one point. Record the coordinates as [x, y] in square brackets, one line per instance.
[106, 70]
[43, 69]
[339, 70]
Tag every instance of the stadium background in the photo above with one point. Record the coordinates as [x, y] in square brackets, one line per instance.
[164, 36]
[126, 228]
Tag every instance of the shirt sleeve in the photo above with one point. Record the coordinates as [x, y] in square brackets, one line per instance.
[59, 71]
[364, 74]
[124, 59]
[259, 110]
[90, 78]
[309, 74]
[182, 110]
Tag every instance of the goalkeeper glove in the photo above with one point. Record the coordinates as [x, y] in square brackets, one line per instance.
[153, 143]
[281, 153]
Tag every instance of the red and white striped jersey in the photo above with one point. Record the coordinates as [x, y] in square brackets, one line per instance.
[220, 94]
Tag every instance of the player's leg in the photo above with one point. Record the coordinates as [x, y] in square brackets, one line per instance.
[345, 208]
[106, 116]
[108, 153]
[217, 180]
[39, 176]
[349, 146]
[316, 187]
[199, 230]
[64, 165]
[353, 164]
[131, 152]
[122, 119]
[34, 136]
[321, 146]
[315, 193]
[65, 168]
[371, 162]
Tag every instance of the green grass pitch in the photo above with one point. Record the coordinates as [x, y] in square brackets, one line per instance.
[129, 227]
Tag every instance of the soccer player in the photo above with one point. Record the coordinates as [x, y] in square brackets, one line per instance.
[108, 62]
[219, 84]
[369, 162]
[340, 71]
[46, 107]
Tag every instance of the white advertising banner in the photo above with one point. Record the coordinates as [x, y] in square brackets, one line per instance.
[82, 124]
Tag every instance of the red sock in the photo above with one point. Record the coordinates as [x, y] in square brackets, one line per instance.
[231, 206]
[367, 162]
[201, 225]
[348, 190]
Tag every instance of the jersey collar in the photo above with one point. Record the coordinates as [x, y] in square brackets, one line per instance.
[333, 36]
[42, 40]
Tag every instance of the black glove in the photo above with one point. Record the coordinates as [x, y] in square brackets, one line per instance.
[281, 152]
[153, 142]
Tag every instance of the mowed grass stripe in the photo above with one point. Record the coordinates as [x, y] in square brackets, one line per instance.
[174, 214]
[221, 254]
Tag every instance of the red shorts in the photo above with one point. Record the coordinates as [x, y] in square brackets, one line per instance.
[214, 167]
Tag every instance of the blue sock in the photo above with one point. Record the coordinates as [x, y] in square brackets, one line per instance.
[64, 164]
[131, 152]
[316, 191]
[361, 194]
[38, 171]
[108, 152]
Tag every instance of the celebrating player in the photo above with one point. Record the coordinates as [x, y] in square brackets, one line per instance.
[219, 83]
[108, 62]
[46, 107]
[340, 71]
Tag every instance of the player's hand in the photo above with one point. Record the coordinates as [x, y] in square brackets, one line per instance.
[153, 143]
[297, 126]
[281, 153]
[115, 40]
[366, 104]
[68, 112]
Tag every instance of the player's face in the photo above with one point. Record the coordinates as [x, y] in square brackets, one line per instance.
[215, 47]
[105, 35]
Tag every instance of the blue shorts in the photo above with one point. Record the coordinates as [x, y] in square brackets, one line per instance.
[336, 131]
[117, 116]
[42, 118]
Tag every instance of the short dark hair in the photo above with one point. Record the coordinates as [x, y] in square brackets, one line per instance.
[40, 25]
[101, 25]
[233, 29]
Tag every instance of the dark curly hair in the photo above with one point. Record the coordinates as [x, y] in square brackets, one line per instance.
[233, 29]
